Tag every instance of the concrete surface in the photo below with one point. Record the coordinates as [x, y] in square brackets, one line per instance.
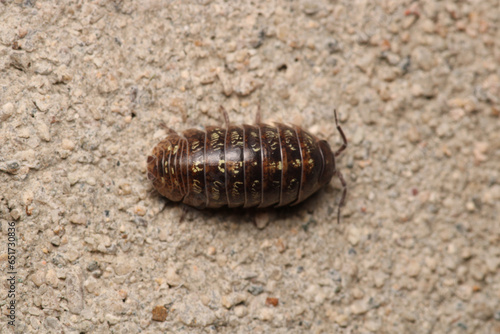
[86, 87]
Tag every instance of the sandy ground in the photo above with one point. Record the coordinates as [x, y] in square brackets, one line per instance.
[85, 88]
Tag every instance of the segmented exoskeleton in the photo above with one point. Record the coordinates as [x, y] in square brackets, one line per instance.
[245, 165]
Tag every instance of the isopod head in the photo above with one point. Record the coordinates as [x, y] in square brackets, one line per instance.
[328, 163]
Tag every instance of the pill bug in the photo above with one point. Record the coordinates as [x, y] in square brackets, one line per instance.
[257, 165]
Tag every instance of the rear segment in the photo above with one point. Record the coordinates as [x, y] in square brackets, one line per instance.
[164, 167]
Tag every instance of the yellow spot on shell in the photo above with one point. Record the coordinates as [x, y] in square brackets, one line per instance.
[236, 139]
[215, 190]
[235, 190]
[221, 162]
[280, 165]
[197, 186]
[214, 139]
[196, 167]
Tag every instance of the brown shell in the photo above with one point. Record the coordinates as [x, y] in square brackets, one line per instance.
[242, 166]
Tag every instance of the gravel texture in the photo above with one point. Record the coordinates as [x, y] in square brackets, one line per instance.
[86, 89]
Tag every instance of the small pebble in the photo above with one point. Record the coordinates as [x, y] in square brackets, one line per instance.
[125, 189]
[365, 63]
[492, 263]
[67, 144]
[464, 292]
[74, 292]
[408, 316]
[123, 265]
[112, 319]
[266, 314]
[480, 150]
[414, 135]
[255, 290]
[478, 269]
[43, 130]
[357, 293]
[281, 245]
[443, 130]
[227, 86]
[271, 301]
[53, 323]
[159, 313]
[78, 219]
[172, 278]
[11, 167]
[211, 251]
[423, 58]
[15, 214]
[373, 325]
[208, 78]
[341, 319]
[469, 104]
[240, 311]
[163, 235]
[360, 307]
[92, 285]
[354, 235]
[482, 311]
[56, 241]
[140, 210]
[246, 85]
[457, 113]
[358, 136]
[470, 206]
[38, 278]
[233, 299]
[413, 268]
[6, 111]
[379, 279]
[123, 294]
[311, 7]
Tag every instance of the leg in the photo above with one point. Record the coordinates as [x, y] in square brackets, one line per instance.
[183, 213]
[344, 193]
[170, 131]
[226, 116]
[339, 129]
[257, 116]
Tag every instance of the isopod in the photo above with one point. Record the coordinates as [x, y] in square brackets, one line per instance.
[257, 165]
